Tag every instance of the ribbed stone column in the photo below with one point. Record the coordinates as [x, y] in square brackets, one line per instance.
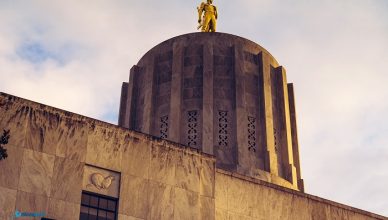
[282, 127]
[127, 100]
[176, 93]
[246, 155]
[148, 119]
[294, 135]
[124, 112]
[271, 157]
[207, 113]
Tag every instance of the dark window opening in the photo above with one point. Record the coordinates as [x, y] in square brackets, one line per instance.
[98, 207]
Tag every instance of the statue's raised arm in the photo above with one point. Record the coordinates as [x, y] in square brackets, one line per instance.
[207, 16]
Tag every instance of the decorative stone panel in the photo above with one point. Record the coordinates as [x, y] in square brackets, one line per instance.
[101, 181]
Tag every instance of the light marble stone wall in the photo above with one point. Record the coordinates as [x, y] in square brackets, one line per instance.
[165, 182]
[49, 150]
[244, 198]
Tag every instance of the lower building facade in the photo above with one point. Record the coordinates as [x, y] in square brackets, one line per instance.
[61, 165]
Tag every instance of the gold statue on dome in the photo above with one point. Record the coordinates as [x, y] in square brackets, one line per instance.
[208, 21]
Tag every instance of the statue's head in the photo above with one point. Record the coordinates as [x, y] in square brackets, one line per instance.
[210, 1]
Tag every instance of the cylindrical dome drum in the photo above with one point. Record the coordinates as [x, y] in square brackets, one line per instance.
[222, 94]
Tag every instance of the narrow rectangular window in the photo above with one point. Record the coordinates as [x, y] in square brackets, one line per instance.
[164, 127]
[275, 134]
[192, 123]
[251, 134]
[223, 128]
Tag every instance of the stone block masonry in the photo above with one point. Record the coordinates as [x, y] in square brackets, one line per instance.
[53, 152]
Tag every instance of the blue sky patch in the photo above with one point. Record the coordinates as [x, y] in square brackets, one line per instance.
[111, 117]
[35, 52]
[38, 53]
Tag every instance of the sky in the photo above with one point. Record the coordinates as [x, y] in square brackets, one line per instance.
[74, 55]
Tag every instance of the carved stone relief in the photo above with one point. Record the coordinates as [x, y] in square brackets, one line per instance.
[192, 134]
[223, 129]
[164, 127]
[251, 134]
[101, 181]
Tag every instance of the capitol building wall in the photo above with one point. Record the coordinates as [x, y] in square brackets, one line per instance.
[60, 163]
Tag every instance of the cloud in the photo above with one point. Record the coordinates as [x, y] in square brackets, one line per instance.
[74, 55]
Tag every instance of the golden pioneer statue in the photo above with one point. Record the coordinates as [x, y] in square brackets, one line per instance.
[209, 20]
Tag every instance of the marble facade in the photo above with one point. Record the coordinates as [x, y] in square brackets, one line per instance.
[53, 153]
